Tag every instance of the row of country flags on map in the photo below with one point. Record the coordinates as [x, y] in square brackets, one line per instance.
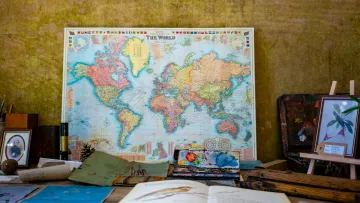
[145, 32]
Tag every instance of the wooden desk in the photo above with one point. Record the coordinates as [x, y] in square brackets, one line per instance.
[121, 192]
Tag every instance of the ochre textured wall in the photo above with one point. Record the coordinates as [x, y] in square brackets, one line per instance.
[300, 46]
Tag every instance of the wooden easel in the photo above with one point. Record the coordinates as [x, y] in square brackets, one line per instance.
[353, 162]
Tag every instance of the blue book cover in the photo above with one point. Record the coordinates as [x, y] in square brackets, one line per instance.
[76, 194]
[14, 194]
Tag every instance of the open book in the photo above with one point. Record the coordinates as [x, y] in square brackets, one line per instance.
[186, 191]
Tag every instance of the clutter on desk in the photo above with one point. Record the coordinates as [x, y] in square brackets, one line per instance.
[89, 194]
[9, 166]
[72, 164]
[250, 164]
[16, 146]
[299, 184]
[219, 182]
[298, 114]
[60, 172]
[21, 121]
[193, 191]
[2, 103]
[15, 193]
[9, 179]
[105, 170]
[86, 151]
[45, 143]
[207, 164]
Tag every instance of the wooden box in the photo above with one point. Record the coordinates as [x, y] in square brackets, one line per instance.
[45, 143]
[21, 121]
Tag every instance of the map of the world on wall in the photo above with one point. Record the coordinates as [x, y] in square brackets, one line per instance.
[145, 91]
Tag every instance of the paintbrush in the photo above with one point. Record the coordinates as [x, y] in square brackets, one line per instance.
[2, 106]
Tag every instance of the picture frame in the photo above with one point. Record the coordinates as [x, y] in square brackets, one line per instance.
[298, 114]
[336, 127]
[16, 145]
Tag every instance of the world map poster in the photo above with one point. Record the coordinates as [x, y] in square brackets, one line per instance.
[145, 91]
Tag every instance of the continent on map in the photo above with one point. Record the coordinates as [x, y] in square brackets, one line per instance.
[138, 53]
[205, 81]
[102, 77]
[228, 127]
[170, 108]
[109, 77]
[107, 92]
[129, 121]
[212, 92]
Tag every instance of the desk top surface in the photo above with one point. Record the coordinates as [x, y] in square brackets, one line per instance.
[120, 192]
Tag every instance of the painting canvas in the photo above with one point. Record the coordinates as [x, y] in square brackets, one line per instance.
[209, 159]
[336, 126]
[144, 91]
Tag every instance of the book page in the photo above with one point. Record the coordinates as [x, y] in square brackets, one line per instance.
[222, 194]
[183, 191]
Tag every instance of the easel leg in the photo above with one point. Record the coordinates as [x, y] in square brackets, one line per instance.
[311, 166]
[352, 172]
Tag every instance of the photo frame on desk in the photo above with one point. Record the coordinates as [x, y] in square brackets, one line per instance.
[15, 144]
[337, 127]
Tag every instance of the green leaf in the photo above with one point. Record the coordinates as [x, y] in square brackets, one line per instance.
[337, 108]
[354, 108]
[354, 98]
[349, 122]
[331, 123]
[349, 127]
[337, 125]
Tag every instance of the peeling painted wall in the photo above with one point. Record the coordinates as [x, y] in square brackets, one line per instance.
[300, 46]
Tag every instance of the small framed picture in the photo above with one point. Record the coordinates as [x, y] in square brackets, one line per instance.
[16, 145]
[337, 127]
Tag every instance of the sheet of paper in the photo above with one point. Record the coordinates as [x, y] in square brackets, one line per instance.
[222, 194]
[333, 149]
[102, 169]
[88, 194]
[61, 172]
[72, 164]
[10, 179]
[168, 191]
[14, 194]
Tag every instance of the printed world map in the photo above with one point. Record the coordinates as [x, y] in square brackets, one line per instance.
[146, 91]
